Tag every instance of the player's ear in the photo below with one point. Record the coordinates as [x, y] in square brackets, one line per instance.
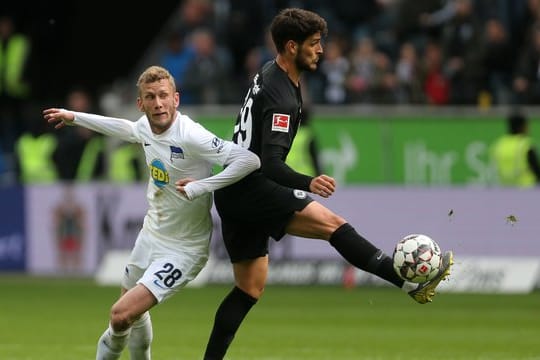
[140, 104]
[292, 46]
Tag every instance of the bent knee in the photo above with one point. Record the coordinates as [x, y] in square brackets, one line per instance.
[120, 320]
[252, 290]
[335, 221]
[331, 223]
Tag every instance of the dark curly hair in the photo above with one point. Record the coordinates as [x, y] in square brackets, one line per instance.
[297, 25]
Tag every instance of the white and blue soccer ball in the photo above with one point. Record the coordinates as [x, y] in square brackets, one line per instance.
[417, 258]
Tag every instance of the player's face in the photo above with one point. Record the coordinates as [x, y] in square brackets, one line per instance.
[310, 52]
[158, 101]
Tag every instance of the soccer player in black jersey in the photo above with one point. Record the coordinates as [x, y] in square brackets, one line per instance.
[274, 200]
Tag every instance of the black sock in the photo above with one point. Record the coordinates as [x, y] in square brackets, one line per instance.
[363, 254]
[228, 318]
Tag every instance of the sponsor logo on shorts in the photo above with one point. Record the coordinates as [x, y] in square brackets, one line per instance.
[299, 194]
[158, 284]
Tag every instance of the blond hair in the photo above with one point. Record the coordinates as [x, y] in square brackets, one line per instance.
[153, 74]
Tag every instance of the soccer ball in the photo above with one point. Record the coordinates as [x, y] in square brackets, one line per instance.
[417, 258]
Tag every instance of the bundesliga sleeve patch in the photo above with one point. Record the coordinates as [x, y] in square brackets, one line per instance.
[280, 122]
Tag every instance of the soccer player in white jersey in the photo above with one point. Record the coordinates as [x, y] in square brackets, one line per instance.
[173, 244]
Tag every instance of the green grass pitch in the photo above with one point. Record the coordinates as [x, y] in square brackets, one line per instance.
[61, 319]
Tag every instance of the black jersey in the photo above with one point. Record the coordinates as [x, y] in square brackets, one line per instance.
[271, 112]
[262, 204]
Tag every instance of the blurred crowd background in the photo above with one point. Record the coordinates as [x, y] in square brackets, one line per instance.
[85, 56]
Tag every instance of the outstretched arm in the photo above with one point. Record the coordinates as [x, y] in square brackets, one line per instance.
[121, 128]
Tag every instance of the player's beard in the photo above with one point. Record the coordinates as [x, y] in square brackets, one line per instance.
[303, 63]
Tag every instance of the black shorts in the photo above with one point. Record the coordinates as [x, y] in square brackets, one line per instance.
[254, 209]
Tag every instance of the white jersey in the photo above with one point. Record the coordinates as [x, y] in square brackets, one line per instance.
[185, 150]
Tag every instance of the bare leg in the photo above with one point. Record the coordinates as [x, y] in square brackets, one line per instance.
[129, 308]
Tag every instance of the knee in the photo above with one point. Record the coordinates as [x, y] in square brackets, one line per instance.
[336, 222]
[120, 319]
[333, 222]
[253, 290]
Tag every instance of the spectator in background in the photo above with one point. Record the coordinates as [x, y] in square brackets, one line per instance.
[408, 72]
[206, 77]
[195, 14]
[434, 82]
[34, 155]
[409, 25]
[126, 164]
[524, 14]
[439, 17]
[242, 30]
[526, 82]
[15, 50]
[497, 59]
[335, 68]
[176, 58]
[84, 155]
[515, 156]
[79, 155]
[303, 156]
[383, 89]
[255, 58]
[354, 17]
[461, 41]
[360, 77]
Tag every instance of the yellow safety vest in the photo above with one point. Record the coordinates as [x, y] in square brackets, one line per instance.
[299, 157]
[510, 156]
[35, 158]
[89, 158]
[13, 58]
[121, 169]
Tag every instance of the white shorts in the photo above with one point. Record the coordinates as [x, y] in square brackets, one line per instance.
[161, 269]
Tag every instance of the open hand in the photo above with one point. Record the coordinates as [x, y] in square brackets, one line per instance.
[59, 117]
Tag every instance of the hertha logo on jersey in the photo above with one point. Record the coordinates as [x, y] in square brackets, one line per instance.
[280, 122]
[176, 152]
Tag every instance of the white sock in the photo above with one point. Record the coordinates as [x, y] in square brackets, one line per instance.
[409, 286]
[111, 344]
[141, 338]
